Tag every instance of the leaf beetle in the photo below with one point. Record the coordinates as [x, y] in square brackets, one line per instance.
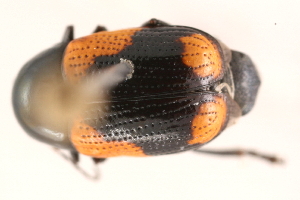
[153, 90]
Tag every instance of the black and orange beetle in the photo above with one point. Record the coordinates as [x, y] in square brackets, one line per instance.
[153, 90]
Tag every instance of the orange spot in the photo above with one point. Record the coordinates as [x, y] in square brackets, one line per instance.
[202, 55]
[209, 121]
[80, 53]
[89, 142]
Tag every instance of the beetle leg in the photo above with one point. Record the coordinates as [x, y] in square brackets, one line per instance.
[68, 35]
[152, 23]
[74, 159]
[98, 160]
[242, 152]
[99, 29]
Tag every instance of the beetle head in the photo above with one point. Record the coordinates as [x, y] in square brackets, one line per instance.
[246, 81]
[242, 78]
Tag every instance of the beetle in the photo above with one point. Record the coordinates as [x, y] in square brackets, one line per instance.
[152, 90]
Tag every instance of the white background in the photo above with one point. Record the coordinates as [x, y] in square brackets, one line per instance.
[268, 31]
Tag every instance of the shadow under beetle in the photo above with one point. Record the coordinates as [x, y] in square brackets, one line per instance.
[153, 90]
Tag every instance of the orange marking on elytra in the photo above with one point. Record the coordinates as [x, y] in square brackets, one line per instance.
[80, 53]
[209, 121]
[202, 55]
[90, 142]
